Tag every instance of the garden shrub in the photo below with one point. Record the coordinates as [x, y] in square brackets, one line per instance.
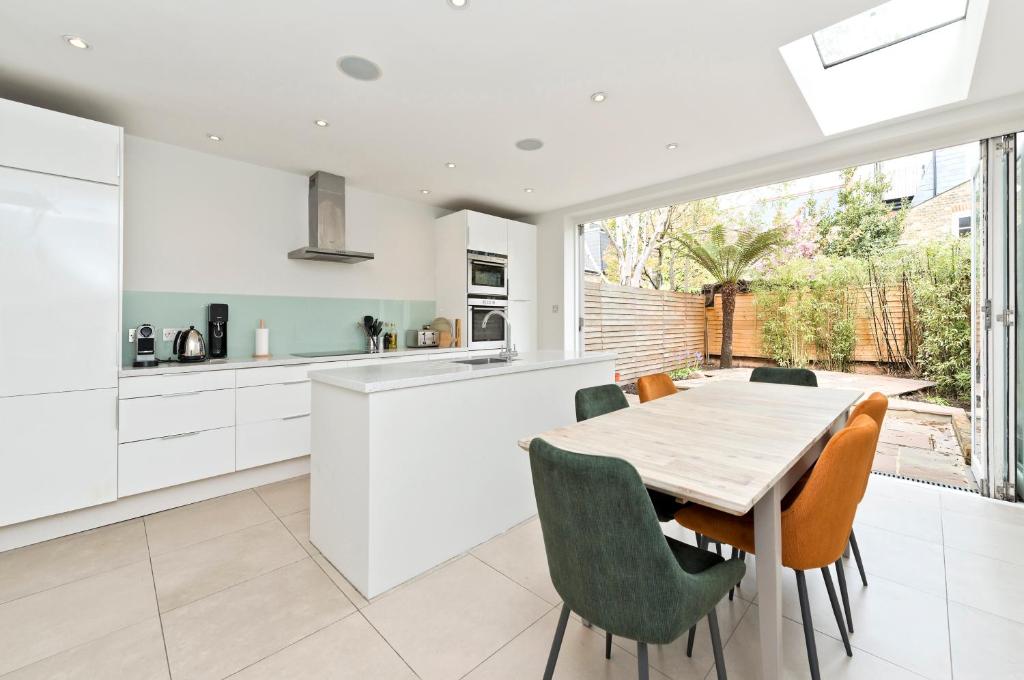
[942, 297]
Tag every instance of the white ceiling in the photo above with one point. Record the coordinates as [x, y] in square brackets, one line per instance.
[458, 86]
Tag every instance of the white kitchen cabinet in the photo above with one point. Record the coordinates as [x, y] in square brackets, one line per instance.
[175, 383]
[272, 375]
[174, 459]
[173, 414]
[522, 261]
[272, 440]
[59, 453]
[271, 402]
[523, 317]
[486, 233]
[58, 144]
[59, 283]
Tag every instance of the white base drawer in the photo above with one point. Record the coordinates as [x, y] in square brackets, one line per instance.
[271, 441]
[151, 417]
[158, 463]
[271, 402]
[175, 383]
[269, 375]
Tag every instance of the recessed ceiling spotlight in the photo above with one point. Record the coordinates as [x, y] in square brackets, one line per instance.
[321, 123]
[76, 41]
[359, 68]
[424, 191]
[528, 190]
[529, 144]
[213, 138]
[459, 4]
[449, 165]
[598, 97]
[672, 146]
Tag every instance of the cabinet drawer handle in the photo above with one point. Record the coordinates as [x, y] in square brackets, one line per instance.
[179, 394]
[179, 436]
[296, 417]
[293, 382]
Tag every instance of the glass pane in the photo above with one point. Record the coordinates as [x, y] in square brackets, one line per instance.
[493, 332]
[488, 275]
[885, 25]
[1018, 219]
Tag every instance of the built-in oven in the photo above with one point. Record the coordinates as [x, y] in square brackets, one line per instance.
[491, 336]
[488, 274]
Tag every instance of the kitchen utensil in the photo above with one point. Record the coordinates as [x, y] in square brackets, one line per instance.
[217, 329]
[424, 338]
[145, 346]
[444, 339]
[457, 340]
[189, 345]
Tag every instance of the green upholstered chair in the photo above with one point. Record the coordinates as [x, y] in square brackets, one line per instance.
[597, 401]
[610, 561]
[784, 376]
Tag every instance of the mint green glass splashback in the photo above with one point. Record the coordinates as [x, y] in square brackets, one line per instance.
[297, 324]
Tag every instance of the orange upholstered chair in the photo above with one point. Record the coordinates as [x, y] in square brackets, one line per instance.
[655, 386]
[815, 525]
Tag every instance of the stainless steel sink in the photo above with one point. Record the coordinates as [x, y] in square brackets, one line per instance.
[483, 362]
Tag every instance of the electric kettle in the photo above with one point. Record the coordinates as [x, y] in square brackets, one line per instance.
[189, 345]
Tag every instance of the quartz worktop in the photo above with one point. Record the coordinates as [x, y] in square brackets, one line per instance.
[288, 360]
[383, 377]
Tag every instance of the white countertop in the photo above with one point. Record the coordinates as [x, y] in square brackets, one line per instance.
[383, 377]
[283, 360]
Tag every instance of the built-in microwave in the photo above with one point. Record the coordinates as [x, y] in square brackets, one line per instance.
[488, 274]
[491, 336]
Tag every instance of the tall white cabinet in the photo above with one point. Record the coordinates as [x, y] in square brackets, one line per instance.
[469, 230]
[60, 277]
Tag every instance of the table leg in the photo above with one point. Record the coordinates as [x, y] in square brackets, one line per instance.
[768, 540]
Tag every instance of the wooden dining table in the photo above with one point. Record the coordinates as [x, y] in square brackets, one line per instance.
[732, 446]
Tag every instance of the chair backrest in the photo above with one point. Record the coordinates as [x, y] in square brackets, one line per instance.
[596, 401]
[784, 376]
[655, 386]
[817, 525]
[875, 407]
[608, 558]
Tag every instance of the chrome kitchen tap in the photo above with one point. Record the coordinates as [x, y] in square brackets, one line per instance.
[509, 353]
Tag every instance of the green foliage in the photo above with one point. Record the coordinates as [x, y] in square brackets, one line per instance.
[862, 223]
[729, 262]
[690, 364]
[942, 296]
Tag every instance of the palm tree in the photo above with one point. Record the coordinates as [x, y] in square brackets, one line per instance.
[727, 263]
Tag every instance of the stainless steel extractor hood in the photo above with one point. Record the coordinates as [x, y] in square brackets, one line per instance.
[327, 222]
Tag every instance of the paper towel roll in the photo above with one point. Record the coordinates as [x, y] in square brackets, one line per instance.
[262, 341]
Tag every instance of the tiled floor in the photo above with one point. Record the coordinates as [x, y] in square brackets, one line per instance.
[232, 588]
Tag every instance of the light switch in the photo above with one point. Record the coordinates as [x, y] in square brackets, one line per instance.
[554, 309]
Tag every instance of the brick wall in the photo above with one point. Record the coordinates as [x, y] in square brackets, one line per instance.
[937, 218]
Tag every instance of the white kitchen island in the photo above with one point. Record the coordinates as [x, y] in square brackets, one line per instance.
[415, 463]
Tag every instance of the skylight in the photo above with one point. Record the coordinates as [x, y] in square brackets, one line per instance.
[883, 26]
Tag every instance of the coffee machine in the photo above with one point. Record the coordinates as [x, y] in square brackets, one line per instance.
[217, 330]
[145, 347]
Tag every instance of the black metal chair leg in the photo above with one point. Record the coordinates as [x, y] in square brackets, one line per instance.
[718, 548]
[716, 644]
[735, 553]
[836, 611]
[689, 641]
[844, 592]
[607, 645]
[556, 644]
[643, 668]
[856, 556]
[805, 614]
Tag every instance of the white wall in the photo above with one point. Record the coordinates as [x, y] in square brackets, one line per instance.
[195, 222]
[556, 262]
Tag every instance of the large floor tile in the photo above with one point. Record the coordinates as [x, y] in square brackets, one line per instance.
[340, 582]
[984, 646]
[191, 524]
[581, 656]
[904, 559]
[232, 629]
[519, 554]
[925, 495]
[445, 623]
[347, 650]
[55, 620]
[193, 572]
[132, 653]
[298, 524]
[984, 583]
[985, 508]
[743, 657]
[44, 565]
[985, 535]
[286, 497]
[902, 516]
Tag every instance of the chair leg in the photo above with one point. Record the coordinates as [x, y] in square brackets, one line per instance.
[643, 668]
[856, 556]
[556, 644]
[718, 548]
[716, 644]
[699, 538]
[844, 592]
[836, 611]
[607, 645]
[735, 554]
[805, 614]
[689, 640]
